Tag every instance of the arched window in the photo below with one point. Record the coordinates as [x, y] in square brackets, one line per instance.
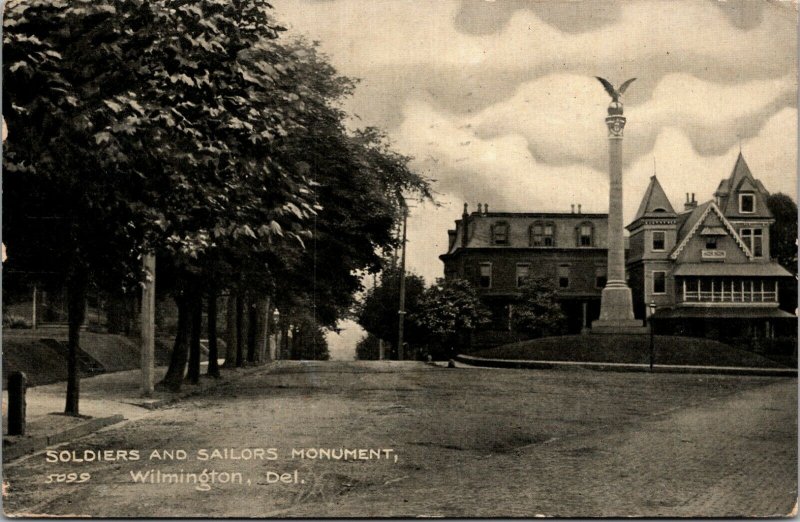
[543, 234]
[500, 233]
[584, 234]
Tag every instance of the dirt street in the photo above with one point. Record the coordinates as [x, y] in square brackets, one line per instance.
[469, 442]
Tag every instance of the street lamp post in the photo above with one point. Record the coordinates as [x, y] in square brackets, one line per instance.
[652, 307]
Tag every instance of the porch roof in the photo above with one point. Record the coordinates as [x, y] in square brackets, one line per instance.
[714, 312]
[732, 269]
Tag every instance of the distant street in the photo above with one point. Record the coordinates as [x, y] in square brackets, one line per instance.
[469, 442]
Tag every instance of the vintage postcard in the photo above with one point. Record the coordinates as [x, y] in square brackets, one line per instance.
[399, 258]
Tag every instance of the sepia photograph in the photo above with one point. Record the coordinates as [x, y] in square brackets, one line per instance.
[399, 258]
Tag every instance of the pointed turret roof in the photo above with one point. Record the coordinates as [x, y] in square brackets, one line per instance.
[740, 172]
[655, 201]
[741, 179]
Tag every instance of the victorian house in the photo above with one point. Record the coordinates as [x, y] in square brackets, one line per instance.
[497, 251]
[707, 268]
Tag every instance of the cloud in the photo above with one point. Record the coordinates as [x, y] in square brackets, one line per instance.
[561, 116]
[501, 172]
[413, 48]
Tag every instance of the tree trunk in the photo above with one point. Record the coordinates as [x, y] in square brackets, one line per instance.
[241, 337]
[213, 365]
[193, 375]
[262, 339]
[180, 351]
[231, 334]
[76, 313]
[252, 330]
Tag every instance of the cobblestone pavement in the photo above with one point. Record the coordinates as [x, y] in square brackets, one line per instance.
[470, 442]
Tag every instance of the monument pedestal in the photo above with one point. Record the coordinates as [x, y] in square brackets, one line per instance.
[616, 312]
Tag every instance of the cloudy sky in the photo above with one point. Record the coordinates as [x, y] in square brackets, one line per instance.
[496, 100]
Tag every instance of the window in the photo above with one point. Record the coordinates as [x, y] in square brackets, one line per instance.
[500, 233]
[600, 277]
[747, 203]
[485, 277]
[711, 243]
[585, 231]
[659, 240]
[563, 276]
[543, 234]
[753, 238]
[523, 272]
[659, 282]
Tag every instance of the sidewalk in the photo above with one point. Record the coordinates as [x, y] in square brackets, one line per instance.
[104, 400]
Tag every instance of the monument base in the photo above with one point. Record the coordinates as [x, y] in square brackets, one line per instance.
[616, 312]
[630, 326]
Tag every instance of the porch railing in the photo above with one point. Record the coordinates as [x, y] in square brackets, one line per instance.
[736, 292]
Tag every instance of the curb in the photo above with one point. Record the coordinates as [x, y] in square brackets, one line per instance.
[624, 367]
[26, 446]
[155, 404]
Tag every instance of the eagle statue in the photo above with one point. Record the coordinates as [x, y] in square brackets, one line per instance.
[613, 91]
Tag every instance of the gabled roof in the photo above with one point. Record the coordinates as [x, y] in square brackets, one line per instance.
[698, 217]
[742, 180]
[654, 202]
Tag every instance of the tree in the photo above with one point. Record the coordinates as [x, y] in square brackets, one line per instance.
[62, 61]
[368, 348]
[537, 312]
[783, 245]
[185, 129]
[308, 340]
[450, 311]
[377, 313]
[783, 233]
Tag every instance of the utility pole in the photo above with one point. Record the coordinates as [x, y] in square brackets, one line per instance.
[402, 312]
[33, 311]
[148, 326]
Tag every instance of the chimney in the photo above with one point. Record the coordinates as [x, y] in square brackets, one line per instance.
[690, 203]
[480, 211]
[572, 208]
[464, 226]
[579, 208]
[485, 208]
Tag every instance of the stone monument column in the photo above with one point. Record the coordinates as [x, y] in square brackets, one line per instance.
[616, 306]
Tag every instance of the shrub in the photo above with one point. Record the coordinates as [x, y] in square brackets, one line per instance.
[15, 321]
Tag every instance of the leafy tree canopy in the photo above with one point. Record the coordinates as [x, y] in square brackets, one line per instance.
[378, 312]
[450, 307]
[783, 233]
[537, 312]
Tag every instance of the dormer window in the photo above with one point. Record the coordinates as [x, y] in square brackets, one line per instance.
[500, 233]
[747, 203]
[585, 233]
[542, 234]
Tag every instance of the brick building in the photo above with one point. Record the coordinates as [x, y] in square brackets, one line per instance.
[708, 268]
[496, 251]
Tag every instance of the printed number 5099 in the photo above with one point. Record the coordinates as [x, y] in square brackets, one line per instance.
[67, 478]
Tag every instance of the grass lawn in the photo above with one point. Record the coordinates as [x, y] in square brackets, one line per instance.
[28, 351]
[628, 349]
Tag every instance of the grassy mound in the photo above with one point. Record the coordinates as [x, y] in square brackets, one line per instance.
[628, 349]
[36, 353]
